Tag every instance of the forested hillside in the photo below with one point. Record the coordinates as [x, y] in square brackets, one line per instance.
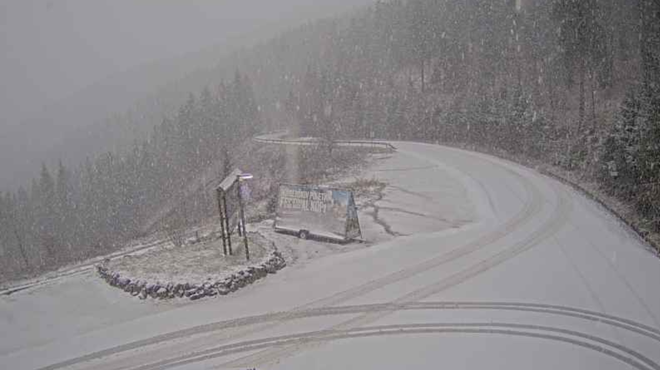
[573, 83]
[69, 214]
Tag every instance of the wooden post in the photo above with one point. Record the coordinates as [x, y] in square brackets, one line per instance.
[242, 215]
[224, 203]
[222, 222]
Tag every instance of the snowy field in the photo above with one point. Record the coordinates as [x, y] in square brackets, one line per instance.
[470, 262]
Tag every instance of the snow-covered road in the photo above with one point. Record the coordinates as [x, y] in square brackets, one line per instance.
[493, 266]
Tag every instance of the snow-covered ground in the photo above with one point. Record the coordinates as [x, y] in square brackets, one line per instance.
[473, 262]
[194, 263]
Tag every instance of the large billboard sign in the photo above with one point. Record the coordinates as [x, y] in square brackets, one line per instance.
[321, 211]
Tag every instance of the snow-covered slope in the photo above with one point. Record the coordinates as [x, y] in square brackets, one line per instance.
[493, 265]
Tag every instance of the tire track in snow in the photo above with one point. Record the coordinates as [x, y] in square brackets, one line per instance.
[572, 337]
[406, 191]
[530, 208]
[570, 312]
[539, 308]
[546, 230]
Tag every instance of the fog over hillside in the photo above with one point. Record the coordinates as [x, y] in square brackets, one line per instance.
[69, 67]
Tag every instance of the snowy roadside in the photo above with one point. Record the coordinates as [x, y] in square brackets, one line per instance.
[625, 213]
[79, 267]
[135, 247]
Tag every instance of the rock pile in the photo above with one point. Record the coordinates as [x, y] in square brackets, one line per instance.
[144, 289]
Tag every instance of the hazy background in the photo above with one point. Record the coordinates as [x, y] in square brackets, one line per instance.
[67, 65]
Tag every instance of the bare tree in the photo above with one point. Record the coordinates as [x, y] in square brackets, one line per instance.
[176, 223]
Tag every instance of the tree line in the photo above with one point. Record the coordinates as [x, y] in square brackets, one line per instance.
[70, 214]
[574, 83]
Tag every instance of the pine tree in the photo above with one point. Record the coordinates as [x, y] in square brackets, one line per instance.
[45, 203]
[64, 208]
[581, 39]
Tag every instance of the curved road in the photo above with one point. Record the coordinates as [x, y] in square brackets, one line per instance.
[496, 266]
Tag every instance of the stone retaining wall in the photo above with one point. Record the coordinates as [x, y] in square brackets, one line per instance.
[145, 289]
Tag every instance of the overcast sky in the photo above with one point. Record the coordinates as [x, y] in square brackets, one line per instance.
[51, 49]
